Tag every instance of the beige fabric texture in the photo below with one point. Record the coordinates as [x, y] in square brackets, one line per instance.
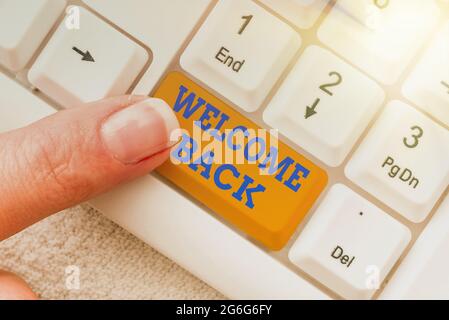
[113, 264]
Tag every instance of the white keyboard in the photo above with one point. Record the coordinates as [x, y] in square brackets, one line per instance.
[358, 90]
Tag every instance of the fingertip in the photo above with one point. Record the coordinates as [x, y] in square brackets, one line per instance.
[77, 154]
[12, 287]
[139, 131]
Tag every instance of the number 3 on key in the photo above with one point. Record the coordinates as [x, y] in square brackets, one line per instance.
[414, 138]
[381, 4]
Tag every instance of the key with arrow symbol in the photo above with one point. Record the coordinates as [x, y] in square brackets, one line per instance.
[86, 55]
[311, 111]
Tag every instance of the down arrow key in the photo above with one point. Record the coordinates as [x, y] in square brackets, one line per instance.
[86, 55]
[310, 111]
[80, 66]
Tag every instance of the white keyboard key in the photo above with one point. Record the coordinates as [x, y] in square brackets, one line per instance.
[380, 37]
[404, 161]
[192, 237]
[349, 244]
[324, 105]
[428, 85]
[163, 26]
[24, 25]
[302, 13]
[241, 51]
[423, 273]
[18, 107]
[79, 66]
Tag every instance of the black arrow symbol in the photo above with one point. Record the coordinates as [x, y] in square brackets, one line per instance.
[310, 111]
[445, 84]
[86, 55]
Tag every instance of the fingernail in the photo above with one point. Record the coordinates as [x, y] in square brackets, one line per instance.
[139, 131]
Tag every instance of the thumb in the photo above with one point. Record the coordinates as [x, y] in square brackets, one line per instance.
[14, 288]
[79, 153]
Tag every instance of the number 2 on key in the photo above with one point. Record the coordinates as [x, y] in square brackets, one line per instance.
[338, 80]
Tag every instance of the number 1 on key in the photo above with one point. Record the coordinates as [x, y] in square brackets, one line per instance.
[246, 23]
